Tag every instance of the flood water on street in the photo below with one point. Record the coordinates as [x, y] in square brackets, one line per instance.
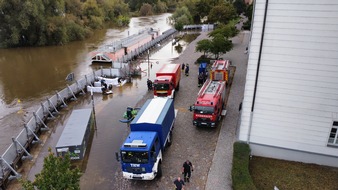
[30, 75]
[50, 67]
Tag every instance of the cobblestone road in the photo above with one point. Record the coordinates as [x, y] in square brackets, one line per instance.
[199, 144]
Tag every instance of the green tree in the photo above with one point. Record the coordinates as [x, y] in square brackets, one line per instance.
[146, 10]
[56, 22]
[248, 11]
[229, 30]
[204, 46]
[56, 174]
[240, 6]
[203, 8]
[181, 17]
[160, 7]
[220, 45]
[123, 20]
[93, 14]
[113, 9]
[222, 13]
[73, 7]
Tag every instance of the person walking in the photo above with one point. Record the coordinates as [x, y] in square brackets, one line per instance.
[183, 65]
[186, 170]
[200, 79]
[187, 70]
[179, 184]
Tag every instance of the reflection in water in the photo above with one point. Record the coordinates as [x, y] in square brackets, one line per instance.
[107, 97]
[178, 48]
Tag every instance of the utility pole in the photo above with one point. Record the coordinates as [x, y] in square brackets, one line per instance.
[148, 65]
[91, 93]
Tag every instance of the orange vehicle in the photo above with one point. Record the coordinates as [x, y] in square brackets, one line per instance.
[209, 104]
[167, 81]
[220, 71]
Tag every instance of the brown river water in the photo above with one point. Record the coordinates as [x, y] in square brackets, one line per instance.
[30, 75]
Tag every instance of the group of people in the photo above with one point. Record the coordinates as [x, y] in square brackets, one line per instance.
[104, 86]
[187, 168]
[185, 68]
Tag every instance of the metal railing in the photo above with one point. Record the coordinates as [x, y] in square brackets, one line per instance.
[18, 151]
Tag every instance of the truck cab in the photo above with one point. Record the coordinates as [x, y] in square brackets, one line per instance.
[207, 113]
[164, 86]
[150, 133]
[207, 109]
[167, 81]
[141, 156]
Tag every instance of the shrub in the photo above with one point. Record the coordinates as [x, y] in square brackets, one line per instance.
[247, 25]
[241, 178]
[203, 59]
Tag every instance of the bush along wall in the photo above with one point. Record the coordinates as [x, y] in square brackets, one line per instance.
[241, 178]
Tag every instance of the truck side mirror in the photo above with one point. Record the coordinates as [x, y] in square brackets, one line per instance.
[117, 156]
[191, 108]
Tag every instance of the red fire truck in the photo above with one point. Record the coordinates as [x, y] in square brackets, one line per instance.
[220, 70]
[167, 81]
[209, 104]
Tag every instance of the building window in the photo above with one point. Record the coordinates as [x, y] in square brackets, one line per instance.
[333, 134]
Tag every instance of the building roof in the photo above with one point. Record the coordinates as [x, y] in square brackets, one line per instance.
[75, 128]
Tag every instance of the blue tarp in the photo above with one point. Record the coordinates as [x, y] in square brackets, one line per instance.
[202, 68]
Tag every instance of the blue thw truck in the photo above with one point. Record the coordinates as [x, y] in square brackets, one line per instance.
[150, 133]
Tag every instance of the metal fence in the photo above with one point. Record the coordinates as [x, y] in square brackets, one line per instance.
[18, 151]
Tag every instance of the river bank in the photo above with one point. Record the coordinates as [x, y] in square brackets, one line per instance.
[29, 75]
[196, 144]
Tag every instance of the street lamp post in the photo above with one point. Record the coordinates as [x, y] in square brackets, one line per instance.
[148, 65]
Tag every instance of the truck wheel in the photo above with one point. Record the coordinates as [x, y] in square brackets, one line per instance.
[159, 171]
[170, 138]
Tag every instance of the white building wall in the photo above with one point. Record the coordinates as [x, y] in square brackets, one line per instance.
[297, 88]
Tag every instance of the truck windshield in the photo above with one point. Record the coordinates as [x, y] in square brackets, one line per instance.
[204, 109]
[161, 86]
[134, 157]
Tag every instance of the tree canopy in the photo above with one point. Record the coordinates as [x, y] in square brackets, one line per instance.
[181, 17]
[227, 30]
[222, 13]
[203, 46]
[219, 42]
[55, 22]
[56, 174]
[220, 45]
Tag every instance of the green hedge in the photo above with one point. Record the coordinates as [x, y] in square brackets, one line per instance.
[241, 179]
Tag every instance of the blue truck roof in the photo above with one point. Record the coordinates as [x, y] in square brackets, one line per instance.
[156, 114]
[153, 111]
[138, 140]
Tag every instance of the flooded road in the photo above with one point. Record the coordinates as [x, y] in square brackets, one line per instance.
[37, 82]
[110, 133]
[30, 75]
